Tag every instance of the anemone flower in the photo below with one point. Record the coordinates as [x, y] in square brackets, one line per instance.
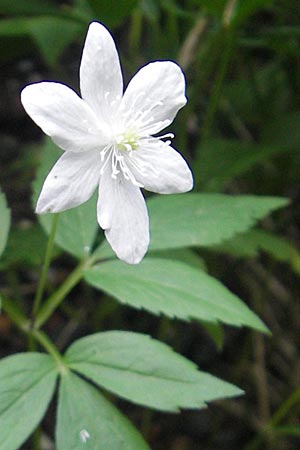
[108, 141]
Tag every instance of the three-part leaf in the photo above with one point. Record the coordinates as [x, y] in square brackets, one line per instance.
[145, 371]
[27, 382]
[174, 289]
[86, 420]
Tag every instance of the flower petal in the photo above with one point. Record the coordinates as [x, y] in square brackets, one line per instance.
[160, 168]
[122, 213]
[63, 115]
[70, 183]
[154, 96]
[101, 81]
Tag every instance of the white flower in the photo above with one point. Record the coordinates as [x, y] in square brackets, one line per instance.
[107, 139]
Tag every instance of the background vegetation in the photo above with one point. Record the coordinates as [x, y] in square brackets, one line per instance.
[240, 133]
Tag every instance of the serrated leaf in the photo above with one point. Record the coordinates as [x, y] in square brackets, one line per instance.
[77, 227]
[145, 371]
[27, 382]
[172, 288]
[204, 219]
[4, 222]
[87, 421]
[191, 220]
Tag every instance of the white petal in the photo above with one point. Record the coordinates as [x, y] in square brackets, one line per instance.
[154, 96]
[122, 213]
[160, 168]
[63, 115]
[71, 182]
[101, 81]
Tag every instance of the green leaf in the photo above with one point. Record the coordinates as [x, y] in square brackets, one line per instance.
[83, 411]
[249, 245]
[190, 220]
[204, 219]
[172, 288]
[52, 34]
[27, 382]
[184, 255]
[77, 227]
[215, 331]
[145, 371]
[4, 222]
[112, 13]
[221, 160]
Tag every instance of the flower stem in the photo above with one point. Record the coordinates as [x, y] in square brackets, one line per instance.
[58, 296]
[48, 254]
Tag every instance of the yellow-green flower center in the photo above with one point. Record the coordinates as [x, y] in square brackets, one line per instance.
[127, 141]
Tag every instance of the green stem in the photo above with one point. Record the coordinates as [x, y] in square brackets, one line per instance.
[285, 408]
[48, 254]
[277, 417]
[58, 296]
[48, 345]
[23, 324]
[16, 315]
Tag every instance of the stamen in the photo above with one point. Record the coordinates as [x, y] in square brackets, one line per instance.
[167, 135]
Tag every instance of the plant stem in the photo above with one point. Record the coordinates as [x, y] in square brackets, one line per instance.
[48, 254]
[15, 314]
[277, 417]
[48, 345]
[58, 296]
[24, 325]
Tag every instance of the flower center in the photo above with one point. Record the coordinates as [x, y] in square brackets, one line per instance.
[127, 141]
